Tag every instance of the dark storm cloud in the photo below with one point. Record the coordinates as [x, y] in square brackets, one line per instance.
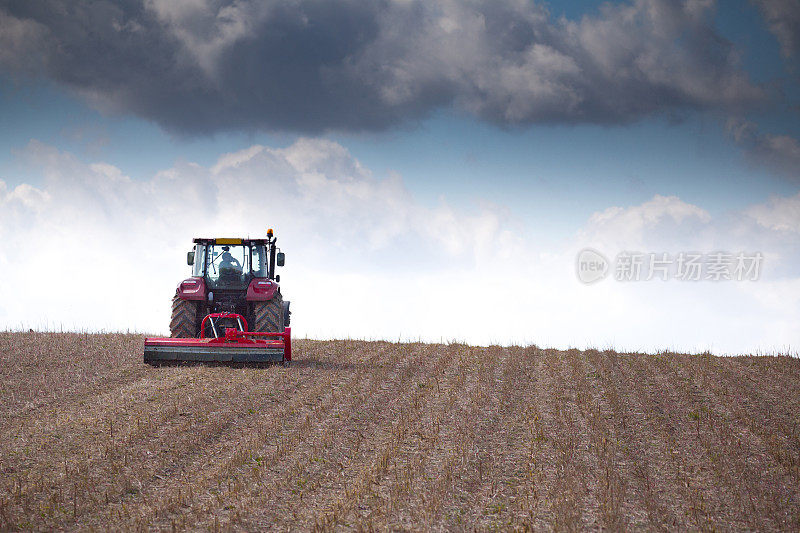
[781, 153]
[198, 66]
[783, 20]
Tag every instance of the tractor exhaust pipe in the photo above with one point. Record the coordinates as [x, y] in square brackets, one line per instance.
[271, 241]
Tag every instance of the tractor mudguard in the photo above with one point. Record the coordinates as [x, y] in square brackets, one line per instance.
[193, 288]
[261, 290]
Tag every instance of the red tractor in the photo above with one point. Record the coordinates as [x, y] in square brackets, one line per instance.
[231, 309]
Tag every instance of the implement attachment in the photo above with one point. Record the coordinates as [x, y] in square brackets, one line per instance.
[235, 345]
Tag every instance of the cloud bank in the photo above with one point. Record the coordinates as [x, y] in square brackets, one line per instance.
[89, 248]
[200, 66]
[783, 19]
[780, 153]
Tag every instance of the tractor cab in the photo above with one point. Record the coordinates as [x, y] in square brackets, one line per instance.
[231, 264]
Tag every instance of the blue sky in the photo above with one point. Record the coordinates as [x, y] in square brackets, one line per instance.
[548, 126]
[559, 173]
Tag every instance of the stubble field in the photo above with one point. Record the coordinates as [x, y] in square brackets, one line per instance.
[402, 436]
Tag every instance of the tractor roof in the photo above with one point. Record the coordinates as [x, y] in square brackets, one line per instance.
[230, 240]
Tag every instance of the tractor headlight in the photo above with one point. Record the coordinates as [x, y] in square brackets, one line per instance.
[262, 286]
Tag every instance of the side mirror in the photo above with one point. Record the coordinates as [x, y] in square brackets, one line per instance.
[190, 258]
[281, 259]
[278, 278]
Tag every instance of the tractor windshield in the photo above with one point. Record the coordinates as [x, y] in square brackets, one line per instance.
[228, 266]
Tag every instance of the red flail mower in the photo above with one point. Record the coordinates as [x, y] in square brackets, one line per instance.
[231, 309]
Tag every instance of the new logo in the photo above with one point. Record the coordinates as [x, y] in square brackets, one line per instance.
[591, 266]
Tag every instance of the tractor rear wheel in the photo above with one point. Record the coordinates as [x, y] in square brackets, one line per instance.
[184, 318]
[269, 315]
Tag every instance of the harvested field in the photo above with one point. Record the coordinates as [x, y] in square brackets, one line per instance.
[412, 436]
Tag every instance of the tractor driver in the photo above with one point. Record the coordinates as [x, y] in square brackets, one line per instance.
[229, 263]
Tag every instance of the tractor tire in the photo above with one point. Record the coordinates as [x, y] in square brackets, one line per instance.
[184, 319]
[268, 316]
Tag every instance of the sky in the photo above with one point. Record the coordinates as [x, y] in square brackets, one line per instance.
[434, 170]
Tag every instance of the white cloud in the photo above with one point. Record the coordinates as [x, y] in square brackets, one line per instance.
[92, 248]
[779, 214]
[102, 232]
[663, 220]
